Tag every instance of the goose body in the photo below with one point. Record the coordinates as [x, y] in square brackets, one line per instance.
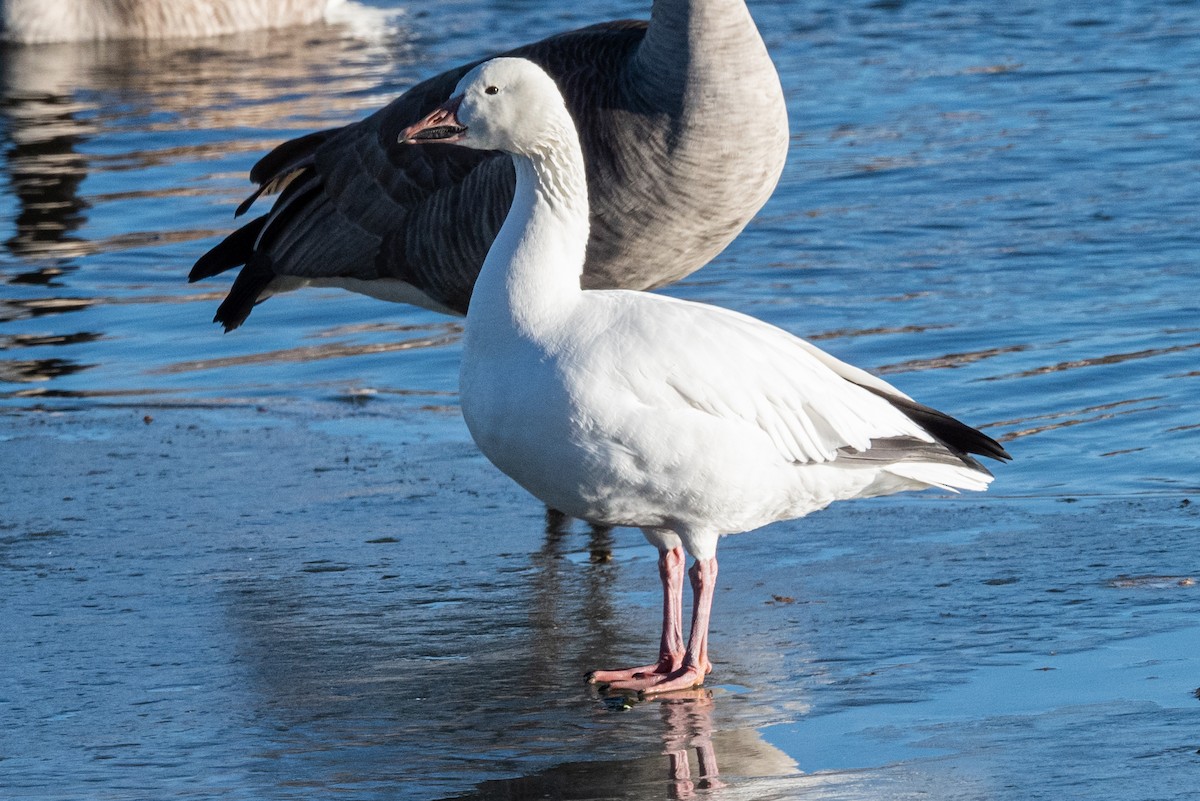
[34, 21]
[623, 408]
[669, 187]
[639, 410]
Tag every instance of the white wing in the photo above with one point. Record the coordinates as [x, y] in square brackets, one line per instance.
[742, 369]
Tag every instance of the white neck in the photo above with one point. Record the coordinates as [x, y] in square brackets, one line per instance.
[530, 278]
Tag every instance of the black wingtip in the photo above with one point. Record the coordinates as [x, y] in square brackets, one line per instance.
[245, 293]
[285, 156]
[997, 450]
[245, 205]
[234, 250]
[228, 320]
[225, 327]
[955, 434]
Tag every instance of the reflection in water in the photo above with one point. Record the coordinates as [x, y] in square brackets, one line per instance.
[601, 546]
[1111, 358]
[40, 21]
[34, 341]
[44, 167]
[688, 724]
[45, 125]
[38, 307]
[1039, 241]
[842, 333]
[25, 371]
[1073, 417]
[139, 398]
[684, 765]
[103, 153]
[949, 360]
[55, 99]
[379, 641]
[558, 524]
[447, 333]
[44, 129]
[20, 371]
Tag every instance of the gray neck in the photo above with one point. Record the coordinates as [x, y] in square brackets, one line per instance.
[692, 46]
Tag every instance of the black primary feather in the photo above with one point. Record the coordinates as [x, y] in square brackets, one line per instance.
[250, 283]
[954, 434]
[233, 251]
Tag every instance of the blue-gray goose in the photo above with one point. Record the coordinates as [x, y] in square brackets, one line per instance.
[670, 186]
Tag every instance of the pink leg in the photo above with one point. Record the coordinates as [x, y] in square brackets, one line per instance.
[688, 722]
[670, 648]
[710, 776]
[695, 664]
[680, 774]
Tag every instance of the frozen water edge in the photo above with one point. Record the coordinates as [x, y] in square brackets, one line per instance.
[259, 604]
[1143, 676]
[984, 203]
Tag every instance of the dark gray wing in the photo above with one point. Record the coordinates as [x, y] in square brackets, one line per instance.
[356, 204]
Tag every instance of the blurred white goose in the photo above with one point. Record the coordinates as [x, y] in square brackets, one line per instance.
[34, 21]
[623, 408]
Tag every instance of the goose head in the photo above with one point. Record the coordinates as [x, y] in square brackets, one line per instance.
[507, 104]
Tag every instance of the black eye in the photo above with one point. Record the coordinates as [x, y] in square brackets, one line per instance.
[491, 90]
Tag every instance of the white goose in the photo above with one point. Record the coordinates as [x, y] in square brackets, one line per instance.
[624, 408]
[37, 21]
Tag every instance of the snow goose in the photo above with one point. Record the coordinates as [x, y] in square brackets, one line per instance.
[623, 408]
[671, 184]
[35, 21]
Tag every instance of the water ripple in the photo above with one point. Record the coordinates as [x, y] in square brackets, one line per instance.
[995, 205]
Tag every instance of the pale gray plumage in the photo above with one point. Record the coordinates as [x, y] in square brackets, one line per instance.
[670, 185]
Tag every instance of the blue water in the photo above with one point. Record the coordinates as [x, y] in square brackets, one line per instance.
[997, 210]
[995, 207]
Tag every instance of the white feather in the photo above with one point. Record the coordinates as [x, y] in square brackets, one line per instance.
[628, 408]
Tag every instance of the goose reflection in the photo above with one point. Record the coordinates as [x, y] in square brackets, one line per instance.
[80, 20]
[559, 576]
[559, 524]
[688, 725]
[105, 129]
[43, 132]
[414, 664]
[56, 99]
[683, 766]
